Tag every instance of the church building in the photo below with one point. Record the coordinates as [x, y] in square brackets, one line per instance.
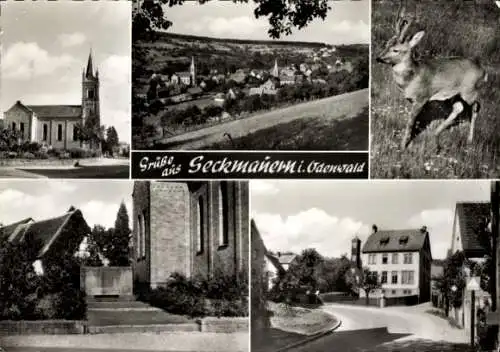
[199, 229]
[56, 125]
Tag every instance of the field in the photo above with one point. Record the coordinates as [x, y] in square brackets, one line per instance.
[468, 29]
[334, 123]
[312, 133]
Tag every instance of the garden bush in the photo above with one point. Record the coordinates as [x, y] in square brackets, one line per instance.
[78, 153]
[198, 297]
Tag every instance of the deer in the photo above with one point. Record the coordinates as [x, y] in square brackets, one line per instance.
[435, 79]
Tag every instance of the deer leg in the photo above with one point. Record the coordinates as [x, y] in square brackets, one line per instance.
[410, 125]
[458, 107]
[475, 111]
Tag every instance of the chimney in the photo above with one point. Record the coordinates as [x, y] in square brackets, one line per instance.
[423, 229]
[374, 229]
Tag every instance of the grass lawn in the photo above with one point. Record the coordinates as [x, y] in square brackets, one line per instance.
[420, 345]
[313, 133]
[300, 320]
[474, 35]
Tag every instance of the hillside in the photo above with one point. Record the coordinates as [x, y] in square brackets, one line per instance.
[171, 52]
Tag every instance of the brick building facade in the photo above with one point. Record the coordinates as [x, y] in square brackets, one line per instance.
[193, 228]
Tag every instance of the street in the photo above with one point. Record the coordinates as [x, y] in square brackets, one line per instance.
[332, 108]
[367, 327]
[137, 342]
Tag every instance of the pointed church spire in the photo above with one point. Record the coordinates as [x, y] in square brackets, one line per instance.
[90, 69]
[275, 72]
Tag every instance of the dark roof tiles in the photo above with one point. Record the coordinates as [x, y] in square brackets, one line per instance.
[395, 241]
[472, 221]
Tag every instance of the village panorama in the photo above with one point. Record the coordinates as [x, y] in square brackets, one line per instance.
[208, 92]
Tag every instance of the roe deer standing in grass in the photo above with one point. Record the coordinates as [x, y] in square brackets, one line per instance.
[436, 79]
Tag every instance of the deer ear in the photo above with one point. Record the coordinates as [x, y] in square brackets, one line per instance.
[416, 38]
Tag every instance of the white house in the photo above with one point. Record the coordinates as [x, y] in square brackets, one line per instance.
[402, 261]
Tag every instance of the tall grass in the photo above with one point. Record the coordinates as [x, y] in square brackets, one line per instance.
[453, 28]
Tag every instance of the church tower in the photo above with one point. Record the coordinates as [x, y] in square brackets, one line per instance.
[275, 71]
[356, 252]
[90, 93]
[192, 71]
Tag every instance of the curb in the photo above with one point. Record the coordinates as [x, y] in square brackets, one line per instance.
[310, 338]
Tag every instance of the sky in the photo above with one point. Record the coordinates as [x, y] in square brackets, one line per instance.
[346, 23]
[98, 200]
[326, 215]
[45, 46]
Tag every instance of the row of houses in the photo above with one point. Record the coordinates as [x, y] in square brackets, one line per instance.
[285, 75]
[402, 260]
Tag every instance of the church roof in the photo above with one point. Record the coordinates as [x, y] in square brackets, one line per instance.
[46, 111]
[90, 70]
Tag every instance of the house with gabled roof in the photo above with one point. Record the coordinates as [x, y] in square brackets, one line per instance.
[50, 237]
[471, 236]
[402, 261]
[57, 125]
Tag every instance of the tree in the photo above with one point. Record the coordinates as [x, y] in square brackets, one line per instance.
[301, 274]
[363, 280]
[111, 139]
[115, 241]
[283, 15]
[18, 281]
[452, 283]
[90, 132]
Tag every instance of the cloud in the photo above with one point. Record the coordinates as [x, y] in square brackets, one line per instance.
[260, 187]
[313, 228]
[98, 212]
[355, 31]
[13, 202]
[23, 61]
[237, 27]
[439, 223]
[71, 39]
[116, 70]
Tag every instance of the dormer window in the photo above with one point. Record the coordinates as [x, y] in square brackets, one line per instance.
[403, 240]
[384, 241]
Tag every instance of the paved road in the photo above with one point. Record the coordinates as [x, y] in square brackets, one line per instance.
[162, 341]
[365, 327]
[349, 104]
[403, 320]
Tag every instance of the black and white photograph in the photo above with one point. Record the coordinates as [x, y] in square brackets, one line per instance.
[250, 75]
[90, 265]
[435, 78]
[374, 266]
[65, 89]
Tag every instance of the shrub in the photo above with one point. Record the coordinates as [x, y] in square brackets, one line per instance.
[28, 155]
[12, 155]
[224, 308]
[41, 155]
[180, 296]
[198, 297]
[77, 153]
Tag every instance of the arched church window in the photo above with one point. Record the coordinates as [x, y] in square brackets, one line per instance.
[223, 215]
[90, 94]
